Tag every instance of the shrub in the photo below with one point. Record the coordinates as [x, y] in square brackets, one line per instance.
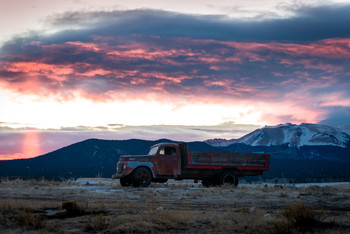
[300, 217]
[72, 208]
[26, 218]
[98, 222]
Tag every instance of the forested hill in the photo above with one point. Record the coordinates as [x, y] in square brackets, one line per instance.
[94, 157]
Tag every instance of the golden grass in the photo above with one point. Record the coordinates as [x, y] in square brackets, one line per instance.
[98, 222]
[13, 214]
[167, 209]
[301, 218]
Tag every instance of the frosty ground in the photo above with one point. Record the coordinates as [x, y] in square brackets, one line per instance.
[102, 205]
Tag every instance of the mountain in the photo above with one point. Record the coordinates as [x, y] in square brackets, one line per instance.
[292, 135]
[305, 152]
[346, 129]
[219, 142]
[89, 158]
[293, 142]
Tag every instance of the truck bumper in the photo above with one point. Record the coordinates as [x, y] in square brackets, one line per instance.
[118, 176]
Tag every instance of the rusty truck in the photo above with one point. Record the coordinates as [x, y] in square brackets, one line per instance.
[174, 161]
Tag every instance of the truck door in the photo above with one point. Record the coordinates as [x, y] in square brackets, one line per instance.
[168, 161]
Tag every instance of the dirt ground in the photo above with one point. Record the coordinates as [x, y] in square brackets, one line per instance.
[102, 205]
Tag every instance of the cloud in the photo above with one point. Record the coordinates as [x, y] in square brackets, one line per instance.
[307, 23]
[337, 116]
[141, 65]
[152, 54]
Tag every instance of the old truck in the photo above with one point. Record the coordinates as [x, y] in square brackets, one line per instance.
[173, 161]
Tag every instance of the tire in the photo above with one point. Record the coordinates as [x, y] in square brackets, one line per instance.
[228, 177]
[208, 182]
[141, 177]
[125, 181]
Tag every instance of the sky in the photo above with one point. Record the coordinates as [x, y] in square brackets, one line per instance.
[183, 70]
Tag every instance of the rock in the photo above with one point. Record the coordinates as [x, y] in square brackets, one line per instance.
[71, 207]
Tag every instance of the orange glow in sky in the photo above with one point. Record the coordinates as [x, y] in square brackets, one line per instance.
[31, 144]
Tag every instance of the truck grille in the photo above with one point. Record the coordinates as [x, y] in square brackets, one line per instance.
[120, 168]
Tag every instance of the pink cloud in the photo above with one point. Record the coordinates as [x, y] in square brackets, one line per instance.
[329, 48]
[334, 99]
[105, 69]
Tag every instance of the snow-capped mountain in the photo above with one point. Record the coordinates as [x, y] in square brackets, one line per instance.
[346, 129]
[219, 142]
[296, 136]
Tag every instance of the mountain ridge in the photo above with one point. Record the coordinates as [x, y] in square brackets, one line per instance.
[96, 157]
[294, 135]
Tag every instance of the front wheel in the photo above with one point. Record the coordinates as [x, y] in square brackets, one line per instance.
[125, 181]
[141, 177]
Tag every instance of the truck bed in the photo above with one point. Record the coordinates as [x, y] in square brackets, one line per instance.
[219, 160]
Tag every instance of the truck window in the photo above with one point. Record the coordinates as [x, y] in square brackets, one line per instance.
[168, 151]
[153, 151]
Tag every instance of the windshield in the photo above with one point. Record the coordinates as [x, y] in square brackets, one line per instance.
[153, 151]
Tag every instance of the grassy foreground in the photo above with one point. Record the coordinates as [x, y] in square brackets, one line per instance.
[102, 205]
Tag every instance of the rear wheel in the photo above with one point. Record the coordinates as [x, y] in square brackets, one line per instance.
[141, 177]
[208, 182]
[228, 178]
[125, 181]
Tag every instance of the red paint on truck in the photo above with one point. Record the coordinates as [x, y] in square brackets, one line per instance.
[174, 161]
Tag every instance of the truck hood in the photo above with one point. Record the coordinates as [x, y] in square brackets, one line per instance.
[135, 157]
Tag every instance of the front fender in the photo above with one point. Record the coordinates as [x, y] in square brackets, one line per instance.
[131, 166]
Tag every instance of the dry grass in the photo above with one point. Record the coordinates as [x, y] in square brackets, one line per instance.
[189, 221]
[301, 218]
[315, 190]
[16, 214]
[171, 208]
[98, 223]
[28, 219]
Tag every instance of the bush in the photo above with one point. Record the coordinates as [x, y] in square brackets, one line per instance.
[73, 209]
[26, 218]
[98, 222]
[300, 217]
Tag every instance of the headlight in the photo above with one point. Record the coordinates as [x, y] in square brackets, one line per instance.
[120, 167]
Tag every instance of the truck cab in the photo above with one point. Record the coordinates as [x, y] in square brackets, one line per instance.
[161, 163]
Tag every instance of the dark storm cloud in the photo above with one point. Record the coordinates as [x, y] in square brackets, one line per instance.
[337, 116]
[309, 23]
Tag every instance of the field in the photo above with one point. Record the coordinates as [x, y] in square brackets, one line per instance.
[102, 205]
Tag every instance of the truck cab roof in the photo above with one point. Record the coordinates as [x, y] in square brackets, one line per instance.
[165, 143]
